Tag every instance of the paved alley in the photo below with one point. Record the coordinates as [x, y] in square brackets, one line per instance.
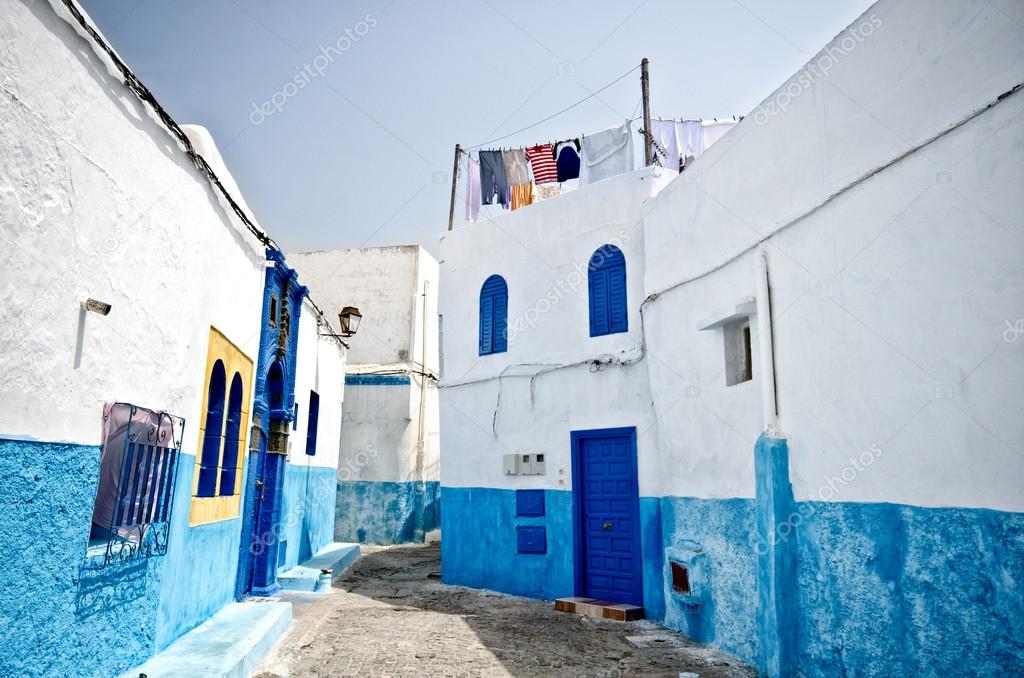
[390, 615]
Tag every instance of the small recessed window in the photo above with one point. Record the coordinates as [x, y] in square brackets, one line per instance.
[738, 363]
[272, 319]
[680, 578]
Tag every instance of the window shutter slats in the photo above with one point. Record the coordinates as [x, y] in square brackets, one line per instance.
[617, 309]
[493, 315]
[607, 288]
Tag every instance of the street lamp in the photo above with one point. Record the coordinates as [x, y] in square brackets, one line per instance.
[349, 319]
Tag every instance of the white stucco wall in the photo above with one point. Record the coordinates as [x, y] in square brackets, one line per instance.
[542, 252]
[380, 281]
[894, 278]
[320, 367]
[96, 199]
[380, 425]
[517, 401]
[889, 301]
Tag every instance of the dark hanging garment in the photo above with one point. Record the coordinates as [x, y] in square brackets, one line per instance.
[492, 177]
[568, 161]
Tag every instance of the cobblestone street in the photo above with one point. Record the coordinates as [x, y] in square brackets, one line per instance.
[390, 615]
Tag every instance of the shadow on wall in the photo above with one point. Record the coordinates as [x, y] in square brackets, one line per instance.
[114, 586]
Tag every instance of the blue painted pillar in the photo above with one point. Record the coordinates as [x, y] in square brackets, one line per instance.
[777, 521]
[268, 522]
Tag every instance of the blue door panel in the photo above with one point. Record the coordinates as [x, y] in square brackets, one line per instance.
[608, 525]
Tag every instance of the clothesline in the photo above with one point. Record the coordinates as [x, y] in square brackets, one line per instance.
[515, 177]
[732, 119]
[555, 115]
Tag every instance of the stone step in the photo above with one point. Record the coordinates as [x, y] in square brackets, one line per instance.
[229, 644]
[601, 609]
[335, 557]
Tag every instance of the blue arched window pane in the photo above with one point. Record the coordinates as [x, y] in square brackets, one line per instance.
[606, 281]
[493, 316]
[232, 438]
[209, 461]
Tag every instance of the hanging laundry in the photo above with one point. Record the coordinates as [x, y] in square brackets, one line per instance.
[516, 170]
[492, 177]
[567, 159]
[606, 154]
[691, 138]
[666, 142]
[545, 191]
[542, 162]
[714, 131]
[470, 170]
[522, 195]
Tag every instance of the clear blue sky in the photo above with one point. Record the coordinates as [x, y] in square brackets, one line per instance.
[362, 154]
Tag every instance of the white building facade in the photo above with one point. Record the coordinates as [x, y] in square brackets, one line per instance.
[140, 309]
[790, 427]
[388, 487]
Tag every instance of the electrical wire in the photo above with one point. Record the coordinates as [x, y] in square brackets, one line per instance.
[132, 82]
[555, 115]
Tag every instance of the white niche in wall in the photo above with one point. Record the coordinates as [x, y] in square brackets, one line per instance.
[738, 366]
[736, 341]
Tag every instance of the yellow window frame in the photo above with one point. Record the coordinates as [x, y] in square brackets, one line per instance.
[206, 510]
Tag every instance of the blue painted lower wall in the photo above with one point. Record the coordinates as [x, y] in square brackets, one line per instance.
[724, 529]
[479, 546]
[889, 589]
[880, 589]
[386, 513]
[58, 621]
[308, 513]
[198, 572]
[96, 623]
[53, 621]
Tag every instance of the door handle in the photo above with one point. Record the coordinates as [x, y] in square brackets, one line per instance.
[606, 526]
[259, 488]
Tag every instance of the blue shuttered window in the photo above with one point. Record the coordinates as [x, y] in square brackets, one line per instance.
[606, 278]
[312, 422]
[493, 316]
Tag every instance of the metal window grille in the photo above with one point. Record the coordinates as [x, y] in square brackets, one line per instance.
[138, 467]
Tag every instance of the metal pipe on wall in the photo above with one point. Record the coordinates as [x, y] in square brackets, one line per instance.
[765, 347]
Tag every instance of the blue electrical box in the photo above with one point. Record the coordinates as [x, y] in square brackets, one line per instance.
[532, 539]
[529, 502]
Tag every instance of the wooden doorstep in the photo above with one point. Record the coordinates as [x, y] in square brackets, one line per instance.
[600, 609]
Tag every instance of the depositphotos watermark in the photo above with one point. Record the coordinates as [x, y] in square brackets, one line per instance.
[816, 69]
[309, 71]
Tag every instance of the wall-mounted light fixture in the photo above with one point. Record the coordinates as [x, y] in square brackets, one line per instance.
[349, 319]
[96, 306]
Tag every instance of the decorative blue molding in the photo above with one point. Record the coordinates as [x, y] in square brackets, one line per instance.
[273, 408]
[377, 380]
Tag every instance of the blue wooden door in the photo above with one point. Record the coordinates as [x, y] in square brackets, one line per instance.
[608, 520]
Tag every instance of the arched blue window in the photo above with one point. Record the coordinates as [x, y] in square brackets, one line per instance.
[209, 462]
[232, 438]
[606, 280]
[493, 316]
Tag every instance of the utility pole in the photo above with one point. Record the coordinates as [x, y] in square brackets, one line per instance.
[645, 90]
[455, 178]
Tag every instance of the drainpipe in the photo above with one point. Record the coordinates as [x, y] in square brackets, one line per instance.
[423, 385]
[774, 510]
[765, 350]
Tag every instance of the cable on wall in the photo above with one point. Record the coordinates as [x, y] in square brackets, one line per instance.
[136, 86]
